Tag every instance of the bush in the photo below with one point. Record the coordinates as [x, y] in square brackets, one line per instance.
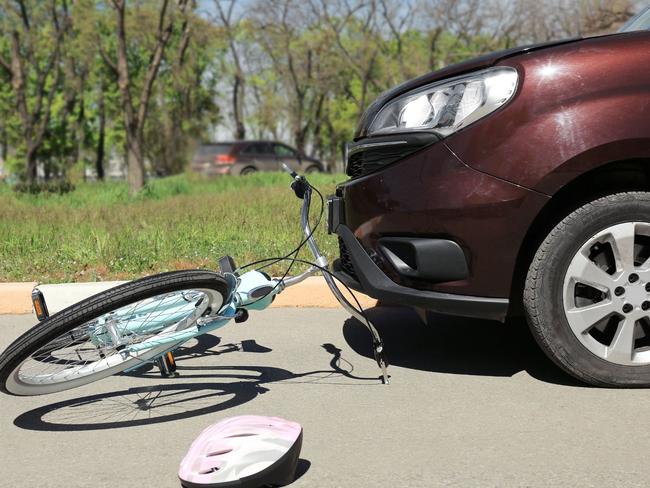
[59, 187]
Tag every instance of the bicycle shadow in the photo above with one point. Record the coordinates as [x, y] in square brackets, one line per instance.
[228, 388]
[455, 345]
[450, 345]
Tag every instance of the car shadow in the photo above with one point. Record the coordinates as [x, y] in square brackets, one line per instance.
[455, 345]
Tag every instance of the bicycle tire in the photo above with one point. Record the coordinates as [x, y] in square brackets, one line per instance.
[50, 330]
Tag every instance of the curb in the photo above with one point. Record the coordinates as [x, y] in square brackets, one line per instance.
[314, 292]
[15, 298]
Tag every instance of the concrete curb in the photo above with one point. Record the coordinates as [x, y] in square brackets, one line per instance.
[15, 298]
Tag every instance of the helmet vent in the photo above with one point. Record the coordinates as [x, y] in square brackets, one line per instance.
[238, 435]
[219, 453]
[208, 471]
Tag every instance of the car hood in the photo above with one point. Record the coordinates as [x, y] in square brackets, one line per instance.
[467, 66]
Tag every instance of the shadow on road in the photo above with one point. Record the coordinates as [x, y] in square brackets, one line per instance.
[178, 398]
[455, 345]
[451, 345]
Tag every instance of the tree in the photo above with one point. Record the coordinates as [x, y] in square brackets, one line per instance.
[353, 26]
[184, 100]
[135, 110]
[301, 56]
[36, 33]
[232, 28]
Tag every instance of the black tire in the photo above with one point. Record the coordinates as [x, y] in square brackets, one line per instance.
[543, 293]
[50, 329]
[248, 170]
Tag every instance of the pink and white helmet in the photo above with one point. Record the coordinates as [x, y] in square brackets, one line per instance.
[246, 451]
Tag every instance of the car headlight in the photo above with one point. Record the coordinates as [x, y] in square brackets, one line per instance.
[446, 106]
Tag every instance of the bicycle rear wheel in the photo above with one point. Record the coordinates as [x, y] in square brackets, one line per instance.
[82, 343]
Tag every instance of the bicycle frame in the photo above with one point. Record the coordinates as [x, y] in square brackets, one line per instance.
[252, 290]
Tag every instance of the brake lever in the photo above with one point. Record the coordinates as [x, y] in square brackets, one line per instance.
[299, 184]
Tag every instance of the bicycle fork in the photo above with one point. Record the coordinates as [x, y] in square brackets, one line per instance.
[303, 190]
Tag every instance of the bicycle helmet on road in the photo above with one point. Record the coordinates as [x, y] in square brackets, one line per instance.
[248, 451]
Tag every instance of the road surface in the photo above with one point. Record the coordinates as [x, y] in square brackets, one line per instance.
[471, 404]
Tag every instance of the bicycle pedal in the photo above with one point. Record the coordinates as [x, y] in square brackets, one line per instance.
[167, 365]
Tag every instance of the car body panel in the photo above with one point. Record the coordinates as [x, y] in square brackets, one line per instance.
[570, 115]
[474, 64]
[432, 193]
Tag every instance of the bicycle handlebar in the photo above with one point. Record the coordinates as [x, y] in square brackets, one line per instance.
[286, 168]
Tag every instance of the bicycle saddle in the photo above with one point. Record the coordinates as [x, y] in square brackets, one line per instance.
[248, 451]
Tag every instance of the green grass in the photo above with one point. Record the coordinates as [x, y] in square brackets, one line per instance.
[98, 232]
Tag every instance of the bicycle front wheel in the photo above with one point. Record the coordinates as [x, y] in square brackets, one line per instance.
[83, 343]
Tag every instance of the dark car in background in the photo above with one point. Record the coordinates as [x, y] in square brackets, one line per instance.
[515, 183]
[246, 157]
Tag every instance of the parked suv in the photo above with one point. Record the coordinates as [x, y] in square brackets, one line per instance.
[517, 182]
[245, 157]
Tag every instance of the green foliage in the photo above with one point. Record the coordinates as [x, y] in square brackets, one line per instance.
[285, 69]
[183, 106]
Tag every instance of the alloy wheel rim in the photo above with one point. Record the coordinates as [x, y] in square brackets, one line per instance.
[606, 294]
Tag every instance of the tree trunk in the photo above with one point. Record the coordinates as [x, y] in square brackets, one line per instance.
[99, 161]
[31, 164]
[79, 134]
[135, 161]
[299, 137]
[237, 101]
[4, 145]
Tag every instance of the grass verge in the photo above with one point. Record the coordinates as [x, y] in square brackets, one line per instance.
[98, 232]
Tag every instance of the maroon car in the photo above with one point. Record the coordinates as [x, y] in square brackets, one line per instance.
[518, 182]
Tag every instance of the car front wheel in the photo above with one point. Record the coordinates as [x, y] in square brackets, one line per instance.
[587, 294]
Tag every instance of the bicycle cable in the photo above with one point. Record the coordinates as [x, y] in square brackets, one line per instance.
[303, 242]
[359, 308]
[292, 256]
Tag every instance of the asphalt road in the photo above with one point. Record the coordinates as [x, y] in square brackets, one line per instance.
[471, 403]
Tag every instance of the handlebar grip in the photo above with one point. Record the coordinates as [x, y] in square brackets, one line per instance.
[289, 170]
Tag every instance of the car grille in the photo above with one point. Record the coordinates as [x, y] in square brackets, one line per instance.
[365, 162]
[346, 260]
[369, 155]
[356, 166]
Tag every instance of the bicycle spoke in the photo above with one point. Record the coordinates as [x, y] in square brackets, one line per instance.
[91, 345]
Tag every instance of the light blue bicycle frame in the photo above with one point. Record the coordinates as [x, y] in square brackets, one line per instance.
[252, 290]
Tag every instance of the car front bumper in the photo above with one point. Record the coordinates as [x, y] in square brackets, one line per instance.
[371, 280]
[458, 214]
